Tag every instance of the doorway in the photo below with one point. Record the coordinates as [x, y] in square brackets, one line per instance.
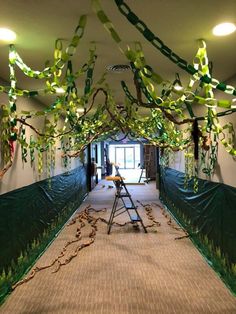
[125, 157]
[128, 157]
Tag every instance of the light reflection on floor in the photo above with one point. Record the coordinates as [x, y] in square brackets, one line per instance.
[132, 175]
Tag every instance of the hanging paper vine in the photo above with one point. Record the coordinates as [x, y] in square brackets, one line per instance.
[170, 124]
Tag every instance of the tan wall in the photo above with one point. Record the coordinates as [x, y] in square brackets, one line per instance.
[225, 171]
[21, 174]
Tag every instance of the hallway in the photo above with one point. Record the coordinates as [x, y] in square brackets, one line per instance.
[127, 271]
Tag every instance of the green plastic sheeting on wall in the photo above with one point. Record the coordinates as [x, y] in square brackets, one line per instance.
[209, 217]
[31, 216]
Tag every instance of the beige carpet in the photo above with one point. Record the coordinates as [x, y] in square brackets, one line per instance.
[124, 272]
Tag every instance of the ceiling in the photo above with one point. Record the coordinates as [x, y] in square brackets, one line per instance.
[178, 23]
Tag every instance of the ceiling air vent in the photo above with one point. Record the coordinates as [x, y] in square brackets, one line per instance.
[118, 68]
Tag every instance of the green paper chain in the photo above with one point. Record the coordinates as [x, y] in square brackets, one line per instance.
[24, 145]
[80, 129]
[166, 51]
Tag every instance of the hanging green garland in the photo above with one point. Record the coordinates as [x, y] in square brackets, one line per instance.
[71, 121]
[166, 51]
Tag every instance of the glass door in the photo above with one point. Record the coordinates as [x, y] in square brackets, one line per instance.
[129, 158]
[125, 157]
[120, 157]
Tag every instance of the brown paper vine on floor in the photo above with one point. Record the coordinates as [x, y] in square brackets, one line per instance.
[82, 217]
[171, 224]
[148, 209]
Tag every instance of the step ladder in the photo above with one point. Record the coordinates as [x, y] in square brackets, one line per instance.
[127, 203]
[143, 175]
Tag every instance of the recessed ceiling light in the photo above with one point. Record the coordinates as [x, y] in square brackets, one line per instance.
[178, 87]
[7, 35]
[177, 83]
[224, 29]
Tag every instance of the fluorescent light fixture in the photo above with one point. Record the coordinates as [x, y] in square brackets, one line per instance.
[7, 35]
[60, 90]
[224, 29]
